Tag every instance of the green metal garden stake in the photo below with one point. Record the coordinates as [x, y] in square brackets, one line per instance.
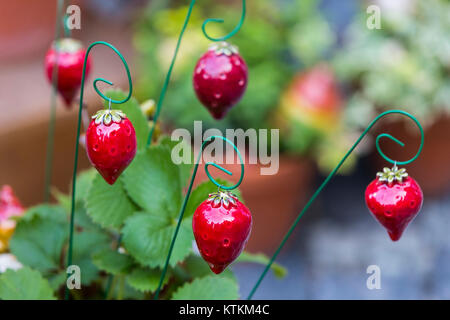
[322, 186]
[51, 126]
[77, 142]
[188, 193]
[158, 110]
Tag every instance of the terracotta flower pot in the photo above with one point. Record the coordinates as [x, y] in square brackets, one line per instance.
[274, 200]
[432, 168]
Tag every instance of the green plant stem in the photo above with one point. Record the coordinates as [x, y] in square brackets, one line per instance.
[188, 193]
[330, 176]
[172, 243]
[121, 287]
[51, 127]
[113, 286]
[149, 141]
[169, 74]
[110, 277]
[156, 116]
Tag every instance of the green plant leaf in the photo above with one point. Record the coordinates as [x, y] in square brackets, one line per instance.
[44, 211]
[208, 288]
[147, 238]
[57, 280]
[84, 246]
[63, 199]
[153, 181]
[24, 284]
[278, 270]
[127, 292]
[109, 205]
[39, 238]
[185, 168]
[84, 181]
[198, 268]
[145, 280]
[112, 261]
[134, 114]
[81, 218]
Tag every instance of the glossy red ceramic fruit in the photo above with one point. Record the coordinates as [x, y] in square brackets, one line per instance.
[220, 79]
[110, 143]
[221, 226]
[68, 54]
[394, 199]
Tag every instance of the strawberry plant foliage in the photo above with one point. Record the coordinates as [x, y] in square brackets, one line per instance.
[206, 289]
[24, 284]
[153, 181]
[144, 279]
[113, 262]
[147, 237]
[142, 209]
[108, 205]
[40, 237]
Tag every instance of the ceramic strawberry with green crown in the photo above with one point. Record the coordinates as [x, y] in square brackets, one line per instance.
[68, 55]
[220, 78]
[221, 226]
[394, 198]
[110, 143]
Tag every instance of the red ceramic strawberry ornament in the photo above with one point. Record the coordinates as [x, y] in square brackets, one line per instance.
[220, 78]
[221, 226]
[394, 199]
[110, 143]
[68, 54]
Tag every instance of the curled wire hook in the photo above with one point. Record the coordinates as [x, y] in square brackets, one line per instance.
[386, 135]
[130, 84]
[186, 199]
[232, 33]
[221, 168]
[77, 141]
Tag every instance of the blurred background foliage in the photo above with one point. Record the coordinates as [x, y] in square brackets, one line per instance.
[403, 65]
[277, 41]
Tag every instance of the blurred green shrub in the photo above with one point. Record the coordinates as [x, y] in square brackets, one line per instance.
[405, 64]
[279, 39]
[276, 41]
